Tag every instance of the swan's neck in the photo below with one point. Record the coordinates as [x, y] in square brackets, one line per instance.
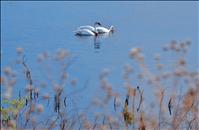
[111, 29]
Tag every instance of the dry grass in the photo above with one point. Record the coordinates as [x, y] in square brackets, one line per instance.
[173, 109]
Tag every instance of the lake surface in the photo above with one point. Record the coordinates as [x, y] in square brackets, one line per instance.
[48, 26]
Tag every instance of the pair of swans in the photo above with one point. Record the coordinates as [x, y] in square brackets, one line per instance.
[93, 31]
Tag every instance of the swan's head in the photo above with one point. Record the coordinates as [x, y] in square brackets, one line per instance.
[112, 29]
[97, 24]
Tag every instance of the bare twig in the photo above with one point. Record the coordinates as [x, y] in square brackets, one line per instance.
[95, 124]
[28, 75]
[115, 104]
[169, 106]
[141, 98]
[65, 101]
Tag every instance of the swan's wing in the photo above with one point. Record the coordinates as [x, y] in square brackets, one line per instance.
[102, 30]
[77, 31]
[87, 27]
[84, 32]
[88, 31]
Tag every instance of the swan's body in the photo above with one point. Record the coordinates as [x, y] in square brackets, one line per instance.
[85, 32]
[87, 27]
[93, 31]
[104, 30]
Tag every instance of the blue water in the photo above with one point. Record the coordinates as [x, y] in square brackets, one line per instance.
[48, 26]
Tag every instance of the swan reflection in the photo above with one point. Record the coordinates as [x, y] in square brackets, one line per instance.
[97, 43]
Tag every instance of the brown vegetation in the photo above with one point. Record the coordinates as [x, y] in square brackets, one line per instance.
[176, 109]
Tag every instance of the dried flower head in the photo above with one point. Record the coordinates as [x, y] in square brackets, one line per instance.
[189, 99]
[40, 108]
[159, 66]
[12, 82]
[73, 82]
[62, 54]
[64, 75]
[134, 52]
[7, 70]
[19, 50]
[182, 62]
[2, 81]
[12, 124]
[29, 88]
[128, 68]
[132, 92]
[46, 96]
[165, 48]
[142, 122]
[173, 45]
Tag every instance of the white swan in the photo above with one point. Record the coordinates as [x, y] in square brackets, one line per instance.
[101, 30]
[93, 29]
[85, 32]
[87, 27]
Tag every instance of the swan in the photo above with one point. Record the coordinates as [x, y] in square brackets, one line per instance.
[101, 29]
[85, 32]
[88, 30]
[93, 29]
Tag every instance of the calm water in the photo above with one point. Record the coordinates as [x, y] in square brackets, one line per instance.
[49, 26]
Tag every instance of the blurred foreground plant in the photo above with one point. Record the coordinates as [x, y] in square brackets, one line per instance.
[166, 106]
